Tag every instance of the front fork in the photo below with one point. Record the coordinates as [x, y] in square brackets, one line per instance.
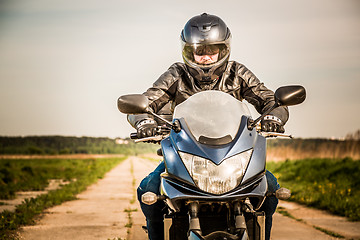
[194, 222]
[240, 223]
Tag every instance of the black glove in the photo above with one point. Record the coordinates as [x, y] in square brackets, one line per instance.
[146, 128]
[272, 124]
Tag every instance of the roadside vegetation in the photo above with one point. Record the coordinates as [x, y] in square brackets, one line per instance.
[297, 148]
[34, 174]
[329, 184]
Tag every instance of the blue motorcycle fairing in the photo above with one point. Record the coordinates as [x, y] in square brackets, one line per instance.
[185, 142]
[173, 162]
[175, 190]
[258, 159]
[177, 183]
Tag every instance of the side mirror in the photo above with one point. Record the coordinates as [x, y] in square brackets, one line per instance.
[133, 104]
[139, 104]
[284, 96]
[290, 95]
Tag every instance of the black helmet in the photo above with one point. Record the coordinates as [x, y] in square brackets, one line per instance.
[206, 36]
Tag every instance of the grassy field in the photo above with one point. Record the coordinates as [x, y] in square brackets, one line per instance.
[329, 184]
[34, 174]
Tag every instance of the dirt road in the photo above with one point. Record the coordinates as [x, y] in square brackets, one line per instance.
[101, 212]
[108, 210]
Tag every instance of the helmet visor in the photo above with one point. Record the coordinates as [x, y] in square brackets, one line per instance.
[205, 55]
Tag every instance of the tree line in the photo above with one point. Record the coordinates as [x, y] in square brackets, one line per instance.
[54, 145]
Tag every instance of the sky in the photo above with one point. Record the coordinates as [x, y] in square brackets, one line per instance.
[64, 63]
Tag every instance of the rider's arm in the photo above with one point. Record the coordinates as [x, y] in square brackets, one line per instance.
[257, 94]
[162, 91]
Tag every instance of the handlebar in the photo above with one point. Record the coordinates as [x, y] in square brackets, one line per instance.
[133, 136]
[163, 132]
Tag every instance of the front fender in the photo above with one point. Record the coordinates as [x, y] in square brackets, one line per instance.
[217, 235]
[194, 236]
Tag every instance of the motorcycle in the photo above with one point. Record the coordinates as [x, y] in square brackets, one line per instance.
[215, 154]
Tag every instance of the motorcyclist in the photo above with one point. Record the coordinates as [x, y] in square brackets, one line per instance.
[205, 50]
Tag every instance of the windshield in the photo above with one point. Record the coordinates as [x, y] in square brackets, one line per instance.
[212, 115]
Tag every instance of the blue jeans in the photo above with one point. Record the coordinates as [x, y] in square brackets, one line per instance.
[154, 213]
[270, 203]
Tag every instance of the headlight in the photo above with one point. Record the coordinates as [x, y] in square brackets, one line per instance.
[216, 179]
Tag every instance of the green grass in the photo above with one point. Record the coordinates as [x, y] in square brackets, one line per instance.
[132, 201]
[85, 171]
[329, 184]
[330, 233]
[285, 213]
[25, 175]
[129, 224]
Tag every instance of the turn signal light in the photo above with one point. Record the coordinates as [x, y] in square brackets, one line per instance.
[149, 198]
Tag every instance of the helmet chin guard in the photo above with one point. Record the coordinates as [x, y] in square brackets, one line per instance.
[207, 75]
[206, 35]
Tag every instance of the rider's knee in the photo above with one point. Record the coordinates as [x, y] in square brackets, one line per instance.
[272, 182]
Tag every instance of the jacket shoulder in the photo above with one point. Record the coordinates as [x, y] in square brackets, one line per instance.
[177, 69]
[170, 76]
[237, 68]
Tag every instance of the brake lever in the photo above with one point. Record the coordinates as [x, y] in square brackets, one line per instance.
[161, 132]
[156, 138]
[275, 134]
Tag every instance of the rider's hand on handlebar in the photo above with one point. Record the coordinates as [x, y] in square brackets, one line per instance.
[146, 128]
[272, 124]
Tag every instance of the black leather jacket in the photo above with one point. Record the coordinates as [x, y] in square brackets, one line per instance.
[176, 85]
